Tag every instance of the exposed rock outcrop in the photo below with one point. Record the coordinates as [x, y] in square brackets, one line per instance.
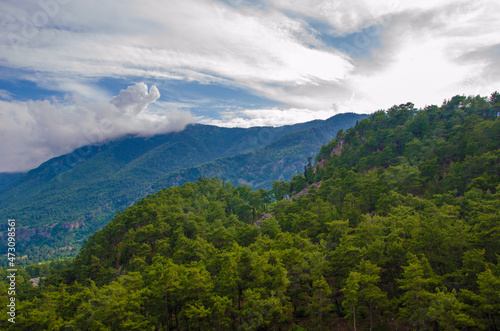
[338, 149]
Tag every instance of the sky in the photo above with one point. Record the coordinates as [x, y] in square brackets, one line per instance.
[74, 73]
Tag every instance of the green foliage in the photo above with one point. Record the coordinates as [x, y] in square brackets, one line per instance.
[417, 283]
[447, 311]
[321, 304]
[59, 204]
[362, 293]
[400, 231]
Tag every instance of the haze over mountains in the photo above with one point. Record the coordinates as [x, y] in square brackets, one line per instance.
[69, 197]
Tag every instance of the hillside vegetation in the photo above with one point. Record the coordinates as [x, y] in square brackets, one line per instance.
[59, 204]
[7, 178]
[399, 231]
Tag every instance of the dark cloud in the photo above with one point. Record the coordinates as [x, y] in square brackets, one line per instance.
[486, 55]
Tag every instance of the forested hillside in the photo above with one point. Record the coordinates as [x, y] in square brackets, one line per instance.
[399, 230]
[59, 204]
[7, 178]
[258, 168]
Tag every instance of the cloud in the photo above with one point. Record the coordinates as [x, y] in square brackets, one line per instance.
[431, 54]
[195, 39]
[135, 99]
[35, 131]
[201, 40]
[266, 117]
[4, 94]
[487, 59]
[419, 51]
[346, 17]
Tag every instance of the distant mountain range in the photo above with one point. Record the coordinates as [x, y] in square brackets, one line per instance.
[7, 177]
[69, 197]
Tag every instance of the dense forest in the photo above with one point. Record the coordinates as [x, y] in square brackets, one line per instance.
[66, 199]
[394, 225]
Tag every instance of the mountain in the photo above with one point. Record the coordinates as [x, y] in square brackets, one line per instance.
[9, 177]
[278, 160]
[394, 227]
[67, 198]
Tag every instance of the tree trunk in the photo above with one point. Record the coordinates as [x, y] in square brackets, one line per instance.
[337, 304]
[371, 317]
[166, 308]
[354, 315]
[321, 313]
[240, 292]
[176, 318]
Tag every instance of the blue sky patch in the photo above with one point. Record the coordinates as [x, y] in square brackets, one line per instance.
[22, 89]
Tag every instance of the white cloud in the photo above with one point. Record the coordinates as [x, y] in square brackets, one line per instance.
[419, 51]
[266, 117]
[350, 16]
[424, 56]
[181, 39]
[4, 94]
[34, 131]
[135, 99]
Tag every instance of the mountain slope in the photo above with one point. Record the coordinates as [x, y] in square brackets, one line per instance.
[400, 231]
[69, 197]
[279, 160]
[7, 177]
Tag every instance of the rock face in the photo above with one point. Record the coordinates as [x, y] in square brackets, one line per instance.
[70, 226]
[265, 216]
[338, 149]
[320, 165]
[34, 281]
[305, 191]
[262, 218]
[27, 234]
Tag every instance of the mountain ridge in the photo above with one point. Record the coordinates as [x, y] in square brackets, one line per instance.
[402, 234]
[73, 195]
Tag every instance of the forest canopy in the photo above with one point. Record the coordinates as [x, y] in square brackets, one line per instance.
[394, 225]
